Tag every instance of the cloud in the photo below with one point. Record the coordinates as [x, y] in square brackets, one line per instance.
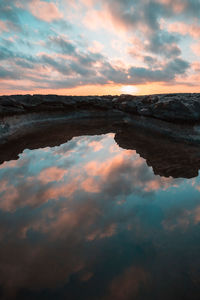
[167, 73]
[184, 29]
[45, 11]
[3, 26]
[127, 285]
[9, 74]
[66, 225]
[51, 174]
[58, 48]
[10, 15]
[196, 48]
[60, 44]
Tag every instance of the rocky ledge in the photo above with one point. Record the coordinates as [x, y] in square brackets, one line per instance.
[163, 129]
[168, 107]
[175, 116]
[165, 156]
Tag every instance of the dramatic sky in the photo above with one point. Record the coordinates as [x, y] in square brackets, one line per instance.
[99, 46]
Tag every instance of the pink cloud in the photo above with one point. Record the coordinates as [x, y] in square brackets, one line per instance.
[88, 3]
[3, 186]
[64, 190]
[52, 174]
[8, 199]
[96, 47]
[3, 26]
[127, 285]
[46, 11]
[196, 66]
[196, 48]
[95, 145]
[103, 19]
[183, 219]
[109, 231]
[159, 183]
[183, 29]
[90, 185]
[177, 5]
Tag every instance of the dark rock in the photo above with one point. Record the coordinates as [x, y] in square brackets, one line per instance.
[169, 107]
[167, 157]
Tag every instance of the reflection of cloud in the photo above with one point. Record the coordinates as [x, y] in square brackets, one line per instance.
[90, 185]
[126, 286]
[51, 174]
[160, 183]
[8, 197]
[98, 234]
[96, 146]
[71, 169]
[42, 234]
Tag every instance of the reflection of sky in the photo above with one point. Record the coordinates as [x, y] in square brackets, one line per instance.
[88, 212]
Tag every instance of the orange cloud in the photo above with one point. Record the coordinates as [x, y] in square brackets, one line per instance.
[3, 186]
[96, 47]
[46, 11]
[178, 5]
[127, 285]
[183, 28]
[196, 66]
[95, 145]
[8, 199]
[62, 190]
[100, 234]
[98, 19]
[90, 185]
[159, 183]
[52, 174]
[196, 48]
[3, 26]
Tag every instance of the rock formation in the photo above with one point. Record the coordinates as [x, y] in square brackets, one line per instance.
[163, 129]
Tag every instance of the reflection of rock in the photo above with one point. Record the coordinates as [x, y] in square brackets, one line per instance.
[54, 131]
[167, 157]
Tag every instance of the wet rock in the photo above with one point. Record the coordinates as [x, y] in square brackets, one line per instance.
[165, 156]
[169, 107]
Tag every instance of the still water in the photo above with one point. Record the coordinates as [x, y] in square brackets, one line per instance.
[90, 220]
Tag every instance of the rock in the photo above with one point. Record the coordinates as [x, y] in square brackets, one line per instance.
[167, 157]
[169, 107]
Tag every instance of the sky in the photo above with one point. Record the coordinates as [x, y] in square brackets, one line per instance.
[95, 47]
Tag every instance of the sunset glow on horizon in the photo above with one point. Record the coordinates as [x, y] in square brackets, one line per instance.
[90, 47]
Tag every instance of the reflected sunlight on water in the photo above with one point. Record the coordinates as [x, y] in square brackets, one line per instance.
[89, 220]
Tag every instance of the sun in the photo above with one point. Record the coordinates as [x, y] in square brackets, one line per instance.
[129, 89]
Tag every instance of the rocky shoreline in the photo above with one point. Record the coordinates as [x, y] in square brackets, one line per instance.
[163, 129]
[168, 107]
[175, 116]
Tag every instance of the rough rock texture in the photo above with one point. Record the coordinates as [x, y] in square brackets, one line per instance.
[165, 156]
[164, 129]
[175, 116]
[169, 107]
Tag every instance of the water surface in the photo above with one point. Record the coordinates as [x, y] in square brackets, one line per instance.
[90, 220]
